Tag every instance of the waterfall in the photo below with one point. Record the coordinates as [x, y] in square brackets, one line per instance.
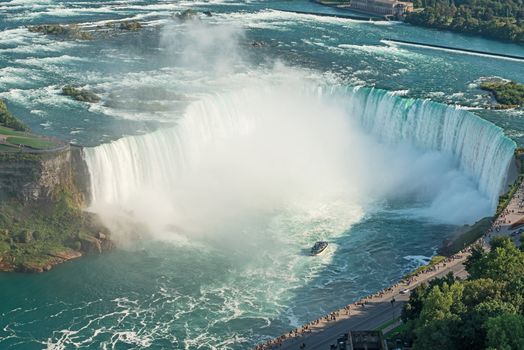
[480, 147]
[156, 160]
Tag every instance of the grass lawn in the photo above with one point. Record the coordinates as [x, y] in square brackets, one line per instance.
[15, 138]
[31, 141]
[11, 132]
[7, 148]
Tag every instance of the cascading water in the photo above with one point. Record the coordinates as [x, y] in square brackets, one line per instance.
[480, 147]
[158, 161]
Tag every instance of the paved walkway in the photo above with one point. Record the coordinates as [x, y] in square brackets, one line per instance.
[513, 213]
[376, 310]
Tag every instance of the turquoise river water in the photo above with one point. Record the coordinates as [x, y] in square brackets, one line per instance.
[224, 147]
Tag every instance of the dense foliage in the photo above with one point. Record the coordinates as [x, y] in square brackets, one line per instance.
[499, 19]
[35, 236]
[8, 120]
[486, 311]
[506, 93]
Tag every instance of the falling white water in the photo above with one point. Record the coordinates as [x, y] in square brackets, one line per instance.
[480, 147]
[267, 148]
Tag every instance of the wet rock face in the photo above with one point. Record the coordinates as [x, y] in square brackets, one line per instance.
[46, 263]
[42, 222]
[91, 245]
[130, 25]
[29, 177]
[36, 177]
[95, 245]
[81, 95]
[70, 31]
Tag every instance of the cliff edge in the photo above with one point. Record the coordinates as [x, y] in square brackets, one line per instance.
[42, 221]
[43, 194]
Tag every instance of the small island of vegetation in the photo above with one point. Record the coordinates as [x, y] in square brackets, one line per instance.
[70, 31]
[509, 94]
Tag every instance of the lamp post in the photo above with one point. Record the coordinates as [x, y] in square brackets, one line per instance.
[393, 308]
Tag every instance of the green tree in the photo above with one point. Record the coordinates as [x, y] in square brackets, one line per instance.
[439, 317]
[505, 332]
[504, 262]
[483, 312]
[499, 19]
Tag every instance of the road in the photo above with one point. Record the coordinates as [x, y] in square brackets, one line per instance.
[378, 311]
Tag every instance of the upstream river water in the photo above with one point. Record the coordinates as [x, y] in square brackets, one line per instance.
[224, 147]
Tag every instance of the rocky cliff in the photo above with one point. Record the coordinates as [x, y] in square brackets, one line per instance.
[42, 219]
[36, 177]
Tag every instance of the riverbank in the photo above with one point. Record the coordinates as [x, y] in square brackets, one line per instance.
[368, 313]
[454, 49]
[43, 194]
[385, 306]
[486, 18]
[42, 217]
[468, 18]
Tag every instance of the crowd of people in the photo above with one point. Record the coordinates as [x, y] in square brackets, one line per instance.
[388, 293]
[299, 333]
[503, 220]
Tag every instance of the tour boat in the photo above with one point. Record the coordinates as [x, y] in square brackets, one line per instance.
[319, 247]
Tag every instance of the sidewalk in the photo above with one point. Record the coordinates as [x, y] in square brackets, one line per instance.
[373, 311]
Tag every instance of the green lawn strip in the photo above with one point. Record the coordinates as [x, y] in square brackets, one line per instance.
[33, 142]
[8, 148]
[11, 132]
[387, 324]
[506, 198]
[395, 332]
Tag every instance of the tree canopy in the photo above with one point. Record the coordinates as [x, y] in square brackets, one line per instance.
[486, 311]
[8, 120]
[498, 19]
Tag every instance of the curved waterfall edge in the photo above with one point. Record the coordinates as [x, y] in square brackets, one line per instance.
[481, 148]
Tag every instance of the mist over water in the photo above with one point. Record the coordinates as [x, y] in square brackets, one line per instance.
[275, 140]
[239, 157]
[260, 151]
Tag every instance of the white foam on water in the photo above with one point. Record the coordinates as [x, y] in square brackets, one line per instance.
[381, 50]
[41, 45]
[17, 36]
[281, 20]
[419, 260]
[47, 61]
[451, 50]
[49, 96]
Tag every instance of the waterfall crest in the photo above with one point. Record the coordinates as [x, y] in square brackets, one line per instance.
[479, 148]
